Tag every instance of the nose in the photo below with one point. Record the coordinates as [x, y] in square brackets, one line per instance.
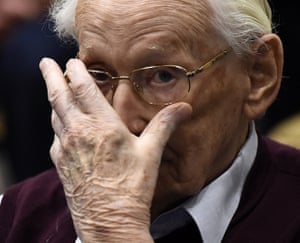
[134, 112]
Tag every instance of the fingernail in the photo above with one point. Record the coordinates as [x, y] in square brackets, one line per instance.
[44, 62]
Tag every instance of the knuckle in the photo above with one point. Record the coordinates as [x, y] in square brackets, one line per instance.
[69, 138]
[77, 133]
[87, 133]
[56, 154]
[84, 90]
[55, 95]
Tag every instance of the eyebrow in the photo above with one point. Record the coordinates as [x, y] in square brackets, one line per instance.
[148, 57]
[138, 56]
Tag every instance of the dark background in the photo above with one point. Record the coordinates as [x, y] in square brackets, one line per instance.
[286, 15]
[23, 96]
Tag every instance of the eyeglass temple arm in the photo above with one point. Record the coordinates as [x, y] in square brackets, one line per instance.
[209, 63]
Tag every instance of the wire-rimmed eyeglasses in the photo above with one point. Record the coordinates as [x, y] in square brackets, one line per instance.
[157, 85]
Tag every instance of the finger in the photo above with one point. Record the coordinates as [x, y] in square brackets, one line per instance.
[59, 93]
[58, 158]
[55, 150]
[159, 130]
[85, 90]
[56, 124]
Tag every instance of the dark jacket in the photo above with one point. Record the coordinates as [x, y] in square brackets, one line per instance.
[269, 211]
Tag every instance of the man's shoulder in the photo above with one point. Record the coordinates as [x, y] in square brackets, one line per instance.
[269, 207]
[36, 209]
[285, 157]
[46, 178]
[46, 175]
[40, 188]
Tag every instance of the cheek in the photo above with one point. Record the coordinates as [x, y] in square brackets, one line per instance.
[193, 153]
[183, 179]
[219, 95]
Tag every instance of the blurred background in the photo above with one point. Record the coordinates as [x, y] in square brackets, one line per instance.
[26, 35]
[25, 131]
[288, 102]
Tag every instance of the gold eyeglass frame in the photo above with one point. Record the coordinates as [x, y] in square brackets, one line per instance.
[189, 74]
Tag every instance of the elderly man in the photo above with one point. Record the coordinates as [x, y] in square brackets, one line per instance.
[154, 132]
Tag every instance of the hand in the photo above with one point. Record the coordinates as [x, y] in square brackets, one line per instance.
[109, 174]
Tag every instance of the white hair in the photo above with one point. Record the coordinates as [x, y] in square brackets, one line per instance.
[237, 21]
[241, 21]
[62, 13]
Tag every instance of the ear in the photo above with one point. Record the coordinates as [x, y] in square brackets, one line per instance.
[265, 73]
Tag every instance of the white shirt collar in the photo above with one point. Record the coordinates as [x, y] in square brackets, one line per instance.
[214, 207]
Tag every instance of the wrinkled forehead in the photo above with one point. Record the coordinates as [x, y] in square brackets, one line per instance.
[121, 19]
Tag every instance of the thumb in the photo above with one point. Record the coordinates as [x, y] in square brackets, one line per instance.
[160, 128]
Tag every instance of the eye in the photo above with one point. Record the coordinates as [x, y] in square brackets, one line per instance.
[163, 76]
[159, 76]
[102, 79]
[100, 76]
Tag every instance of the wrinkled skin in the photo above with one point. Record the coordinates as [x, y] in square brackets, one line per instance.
[123, 161]
[114, 169]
